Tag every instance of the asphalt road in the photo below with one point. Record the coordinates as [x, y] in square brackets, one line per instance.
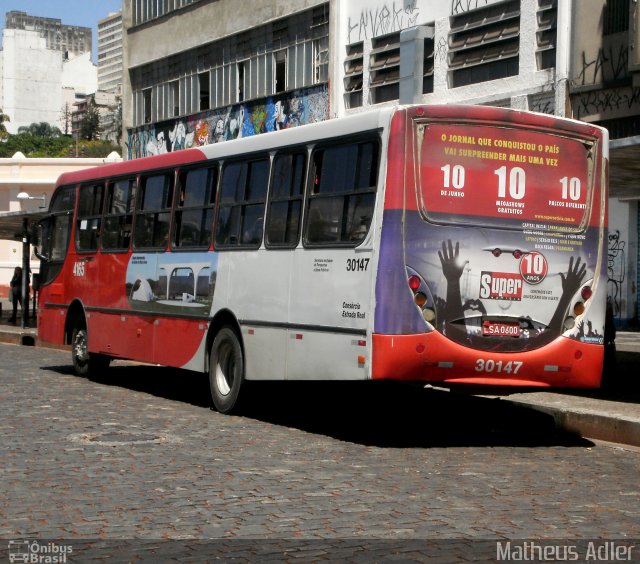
[319, 471]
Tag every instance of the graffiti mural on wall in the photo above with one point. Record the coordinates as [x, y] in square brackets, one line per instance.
[608, 64]
[461, 6]
[616, 271]
[381, 20]
[300, 107]
[544, 103]
[601, 101]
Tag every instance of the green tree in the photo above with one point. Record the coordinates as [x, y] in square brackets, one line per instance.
[42, 129]
[3, 130]
[66, 117]
[90, 125]
[35, 145]
[94, 149]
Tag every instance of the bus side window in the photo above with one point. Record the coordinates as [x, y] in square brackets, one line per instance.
[343, 194]
[88, 219]
[153, 213]
[243, 192]
[285, 200]
[118, 216]
[194, 209]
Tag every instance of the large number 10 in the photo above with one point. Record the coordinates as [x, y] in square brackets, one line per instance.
[516, 182]
[453, 176]
[570, 188]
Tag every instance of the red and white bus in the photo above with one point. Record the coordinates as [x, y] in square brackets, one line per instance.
[437, 244]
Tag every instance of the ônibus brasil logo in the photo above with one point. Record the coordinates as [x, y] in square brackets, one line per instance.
[38, 552]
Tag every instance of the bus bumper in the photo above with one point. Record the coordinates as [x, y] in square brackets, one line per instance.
[432, 358]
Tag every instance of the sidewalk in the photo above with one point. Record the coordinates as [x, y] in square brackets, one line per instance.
[14, 333]
[611, 413]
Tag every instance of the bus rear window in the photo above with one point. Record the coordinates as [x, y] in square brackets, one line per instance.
[501, 176]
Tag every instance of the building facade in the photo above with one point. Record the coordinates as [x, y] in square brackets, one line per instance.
[110, 54]
[69, 39]
[36, 83]
[221, 72]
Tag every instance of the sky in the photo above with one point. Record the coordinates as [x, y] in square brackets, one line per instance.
[72, 12]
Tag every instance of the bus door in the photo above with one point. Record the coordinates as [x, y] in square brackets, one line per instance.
[330, 300]
[114, 258]
[85, 276]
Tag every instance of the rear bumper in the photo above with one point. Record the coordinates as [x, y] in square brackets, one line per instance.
[431, 357]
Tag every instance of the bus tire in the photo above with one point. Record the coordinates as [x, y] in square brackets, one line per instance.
[226, 369]
[85, 364]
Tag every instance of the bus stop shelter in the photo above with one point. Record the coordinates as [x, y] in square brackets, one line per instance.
[16, 226]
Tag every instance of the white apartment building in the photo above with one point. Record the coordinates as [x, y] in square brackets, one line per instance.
[110, 55]
[34, 77]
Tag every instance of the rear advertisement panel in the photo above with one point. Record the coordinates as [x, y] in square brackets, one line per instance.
[501, 238]
[492, 175]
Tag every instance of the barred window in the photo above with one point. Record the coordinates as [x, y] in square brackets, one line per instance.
[384, 68]
[353, 64]
[484, 43]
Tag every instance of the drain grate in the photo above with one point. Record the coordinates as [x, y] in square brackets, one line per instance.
[115, 438]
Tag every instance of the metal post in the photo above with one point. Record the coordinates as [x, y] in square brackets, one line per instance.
[25, 271]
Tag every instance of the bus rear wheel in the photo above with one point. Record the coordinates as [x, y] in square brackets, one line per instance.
[85, 364]
[226, 370]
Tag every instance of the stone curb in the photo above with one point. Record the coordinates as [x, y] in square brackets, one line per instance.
[590, 425]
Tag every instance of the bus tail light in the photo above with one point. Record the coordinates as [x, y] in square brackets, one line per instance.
[586, 293]
[414, 283]
[569, 323]
[421, 295]
[578, 309]
[420, 299]
[428, 314]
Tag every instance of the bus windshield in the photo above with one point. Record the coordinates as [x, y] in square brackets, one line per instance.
[502, 176]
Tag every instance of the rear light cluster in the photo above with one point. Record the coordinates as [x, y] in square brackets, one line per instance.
[579, 307]
[422, 297]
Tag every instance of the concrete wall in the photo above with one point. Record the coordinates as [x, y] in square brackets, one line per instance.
[31, 79]
[80, 74]
[622, 253]
[362, 20]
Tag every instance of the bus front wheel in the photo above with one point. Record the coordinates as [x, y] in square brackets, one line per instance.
[226, 370]
[85, 364]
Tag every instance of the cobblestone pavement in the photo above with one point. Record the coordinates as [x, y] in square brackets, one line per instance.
[139, 454]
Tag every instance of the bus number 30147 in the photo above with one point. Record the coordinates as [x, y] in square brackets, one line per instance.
[356, 265]
[489, 365]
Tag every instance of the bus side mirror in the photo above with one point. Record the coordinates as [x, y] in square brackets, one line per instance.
[38, 237]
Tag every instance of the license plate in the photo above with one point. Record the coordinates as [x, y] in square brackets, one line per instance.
[497, 329]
